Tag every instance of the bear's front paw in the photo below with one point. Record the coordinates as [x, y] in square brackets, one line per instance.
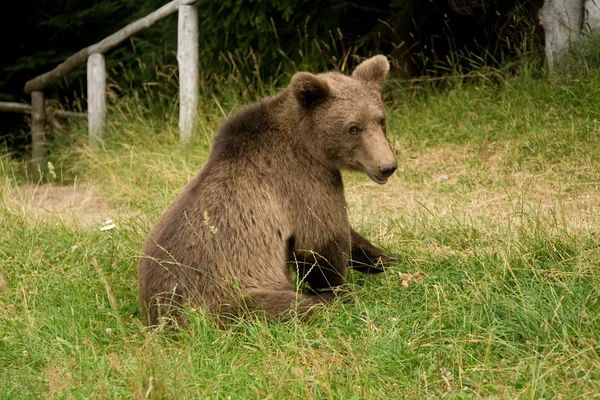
[371, 262]
[386, 259]
[344, 294]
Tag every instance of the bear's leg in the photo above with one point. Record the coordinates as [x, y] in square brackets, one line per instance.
[163, 308]
[285, 303]
[366, 257]
[325, 268]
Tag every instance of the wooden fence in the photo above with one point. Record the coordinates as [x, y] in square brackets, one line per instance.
[187, 59]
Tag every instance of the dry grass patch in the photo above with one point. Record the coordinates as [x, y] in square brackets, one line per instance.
[464, 184]
[59, 378]
[73, 204]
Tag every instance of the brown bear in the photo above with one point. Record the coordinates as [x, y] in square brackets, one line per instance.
[264, 224]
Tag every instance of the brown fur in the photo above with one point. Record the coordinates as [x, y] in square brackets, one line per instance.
[270, 196]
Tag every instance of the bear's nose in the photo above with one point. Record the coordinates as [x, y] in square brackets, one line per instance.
[387, 170]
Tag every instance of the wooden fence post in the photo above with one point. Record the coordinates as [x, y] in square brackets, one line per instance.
[187, 58]
[96, 85]
[38, 137]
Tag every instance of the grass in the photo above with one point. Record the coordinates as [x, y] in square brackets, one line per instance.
[493, 213]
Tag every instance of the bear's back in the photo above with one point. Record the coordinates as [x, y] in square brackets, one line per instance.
[232, 198]
[245, 134]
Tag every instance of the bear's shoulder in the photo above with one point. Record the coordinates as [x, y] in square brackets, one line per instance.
[244, 132]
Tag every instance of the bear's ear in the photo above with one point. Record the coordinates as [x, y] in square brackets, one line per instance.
[374, 70]
[309, 89]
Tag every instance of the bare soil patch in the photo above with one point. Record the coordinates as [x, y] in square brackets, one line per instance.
[73, 204]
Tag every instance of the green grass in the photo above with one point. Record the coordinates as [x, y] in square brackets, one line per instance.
[494, 210]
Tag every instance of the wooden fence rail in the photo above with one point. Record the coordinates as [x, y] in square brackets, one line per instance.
[187, 58]
[26, 109]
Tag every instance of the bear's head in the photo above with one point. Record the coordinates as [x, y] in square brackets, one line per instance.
[345, 117]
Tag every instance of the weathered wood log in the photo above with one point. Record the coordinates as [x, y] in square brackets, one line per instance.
[187, 58]
[116, 38]
[68, 114]
[96, 85]
[40, 82]
[15, 107]
[38, 126]
[6, 106]
[565, 22]
[591, 19]
[562, 21]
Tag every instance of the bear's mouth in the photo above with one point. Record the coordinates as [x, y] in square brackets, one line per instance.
[377, 179]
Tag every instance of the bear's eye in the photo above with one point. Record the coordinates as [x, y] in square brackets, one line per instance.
[382, 122]
[354, 130]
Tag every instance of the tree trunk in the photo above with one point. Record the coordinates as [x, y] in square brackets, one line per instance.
[591, 20]
[562, 21]
[38, 127]
[96, 84]
[187, 58]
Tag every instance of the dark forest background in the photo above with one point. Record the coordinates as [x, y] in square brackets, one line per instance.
[259, 42]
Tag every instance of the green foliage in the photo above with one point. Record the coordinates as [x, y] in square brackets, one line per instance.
[261, 40]
[56, 30]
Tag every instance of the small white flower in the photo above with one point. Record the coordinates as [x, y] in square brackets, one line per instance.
[108, 225]
[108, 331]
[25, 353]
[441, 178]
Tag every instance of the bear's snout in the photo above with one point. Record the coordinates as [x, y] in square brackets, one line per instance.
[387, 170]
